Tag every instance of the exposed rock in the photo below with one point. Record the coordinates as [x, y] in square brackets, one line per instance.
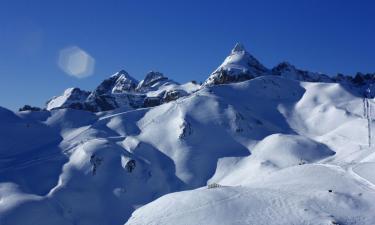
[70, 97]
[289, 71]
[173, 95]
[153, 81]
[130, 165]
[29, 108]
[152, 101]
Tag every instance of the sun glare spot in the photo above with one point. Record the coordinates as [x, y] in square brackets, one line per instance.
[76, 62]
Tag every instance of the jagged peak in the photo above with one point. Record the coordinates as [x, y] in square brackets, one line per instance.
[239, 48]
[71, 90]
[240, 65]
[285, 65]
[154, 75]
[122, 74]
[119, 73]
[152, 78]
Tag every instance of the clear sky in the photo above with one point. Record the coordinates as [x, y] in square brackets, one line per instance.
[185, 40]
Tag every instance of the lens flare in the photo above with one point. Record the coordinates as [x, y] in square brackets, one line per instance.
[76, 62]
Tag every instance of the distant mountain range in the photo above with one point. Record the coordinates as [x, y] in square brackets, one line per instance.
[122, 90]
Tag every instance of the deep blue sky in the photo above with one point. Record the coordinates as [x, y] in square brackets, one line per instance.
[186, 40]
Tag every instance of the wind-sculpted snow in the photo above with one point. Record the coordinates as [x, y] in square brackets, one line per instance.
[273, 150]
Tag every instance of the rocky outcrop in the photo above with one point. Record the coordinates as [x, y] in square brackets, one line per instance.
[29, 108]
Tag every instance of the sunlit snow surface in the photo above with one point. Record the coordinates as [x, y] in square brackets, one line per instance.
[282, 151]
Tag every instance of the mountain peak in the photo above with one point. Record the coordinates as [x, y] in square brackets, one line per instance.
[238, 48]
[152, 78]
[121, 73]
[70, 97]
[119, 82]
[240, 65]
[154, 75]
[284, 66]
[123, 82]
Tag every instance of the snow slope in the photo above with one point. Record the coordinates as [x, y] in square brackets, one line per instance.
[276, 145]
[250, 146]
[297, 195]
[70, 97]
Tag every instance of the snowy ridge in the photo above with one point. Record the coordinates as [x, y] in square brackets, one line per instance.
[289, 71]
[69, 99]
[153, 81]
[123, 91]
[274, 149]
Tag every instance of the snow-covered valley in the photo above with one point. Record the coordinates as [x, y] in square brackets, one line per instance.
[249, 146]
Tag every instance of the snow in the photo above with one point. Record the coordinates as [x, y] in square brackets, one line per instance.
[289, 71]
[238, 63]
[297, 195]
[366, 171]
[281, 151]
[122, 91]
[124, 82]
[70, 95]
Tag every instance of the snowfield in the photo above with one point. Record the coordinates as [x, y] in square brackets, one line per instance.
[270, 150]
[297, 195]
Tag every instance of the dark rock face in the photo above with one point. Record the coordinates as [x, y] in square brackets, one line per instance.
[105, 87]
[151, 79]
[152, 101]
[95, 162]
[223, 77]
[186, 130]
[136, 101]
[130, 165]
[78, 94]
[101, 103]
[118, 90]
[29, 108]
[124, 83]
[173, 95]
[118, 83]
[359, 79]
[287, 70]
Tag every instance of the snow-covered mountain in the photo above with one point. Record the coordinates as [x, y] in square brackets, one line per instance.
[274, 149]
[289, 71]
[240, 65]
[71, 98]
[123, 91]
[153, 81]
